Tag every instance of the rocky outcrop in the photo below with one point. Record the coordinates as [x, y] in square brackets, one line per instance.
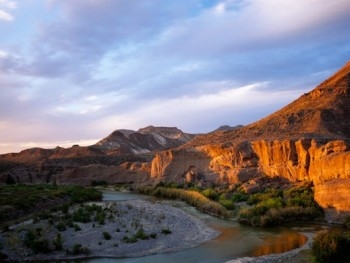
[295, 160]
[319, 161]
[144, 140]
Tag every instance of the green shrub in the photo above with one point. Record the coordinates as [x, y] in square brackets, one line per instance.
[36, 242]
[274, 202]
[61, 226]
[81, 215]
[57, 242]
[239, 197]
[127, 239]
[331, 246]
[140, 234]
[228, 204]
[76, 227]
[79, 249]
[106, 235]
[166, 231]
[210, 193]
[267, 194]
[153, 235]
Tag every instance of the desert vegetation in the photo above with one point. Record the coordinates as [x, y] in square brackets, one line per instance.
[268, 207]
[90, 229]
[331, 246]
[275, 207]
[191, 196]
[20, 201]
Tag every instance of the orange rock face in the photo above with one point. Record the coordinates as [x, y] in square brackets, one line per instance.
[295, 160]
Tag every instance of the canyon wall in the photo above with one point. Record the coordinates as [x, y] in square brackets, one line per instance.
[325, 163]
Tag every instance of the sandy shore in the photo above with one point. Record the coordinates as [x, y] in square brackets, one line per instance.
[165, 228]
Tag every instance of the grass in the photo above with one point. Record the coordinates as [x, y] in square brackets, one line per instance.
[191, 197]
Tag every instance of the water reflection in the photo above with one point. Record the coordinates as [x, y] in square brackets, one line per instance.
[283, 242]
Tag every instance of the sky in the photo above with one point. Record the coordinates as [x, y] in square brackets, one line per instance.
[73, 71]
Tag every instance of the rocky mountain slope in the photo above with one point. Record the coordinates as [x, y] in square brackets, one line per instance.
[144, 140]
[123, 156]
[308, 140]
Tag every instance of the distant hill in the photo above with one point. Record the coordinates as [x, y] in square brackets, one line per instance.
[144, 140]
[321, 113]
[120, 142]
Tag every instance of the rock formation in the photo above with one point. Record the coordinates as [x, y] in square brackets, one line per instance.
[309, 139]
[122, 157]
[144, 140]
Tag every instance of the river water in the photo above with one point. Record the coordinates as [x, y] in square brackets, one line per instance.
[235, 241]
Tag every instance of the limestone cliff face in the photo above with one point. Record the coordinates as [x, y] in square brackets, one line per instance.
[295, 160]
[325, 163]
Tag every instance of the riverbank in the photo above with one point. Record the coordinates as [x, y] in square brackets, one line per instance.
[131, 228]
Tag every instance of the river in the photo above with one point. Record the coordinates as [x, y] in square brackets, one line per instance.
[235, 241]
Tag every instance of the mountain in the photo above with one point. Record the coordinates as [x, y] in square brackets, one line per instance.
[321, 113]
[307, 140]
[116, 158]
[144, 140]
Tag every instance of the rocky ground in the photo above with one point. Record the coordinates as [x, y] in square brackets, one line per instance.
[128, 228]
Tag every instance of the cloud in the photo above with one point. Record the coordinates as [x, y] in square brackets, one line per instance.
[5, 15]
[81, 69]
[234, 105]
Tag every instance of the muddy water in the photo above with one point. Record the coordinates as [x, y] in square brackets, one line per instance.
[236, 240]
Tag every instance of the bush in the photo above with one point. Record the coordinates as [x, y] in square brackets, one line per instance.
[127, 239]
[61, 226]
[81, 215]
[76, 227]
[79, 249]
[106, 235]
[226, 202]
[210, 193]
[331, 246]
[140, 234]
[267, 194]
[57, 242]
[36, 242]
[239, 197]
[166, 231]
